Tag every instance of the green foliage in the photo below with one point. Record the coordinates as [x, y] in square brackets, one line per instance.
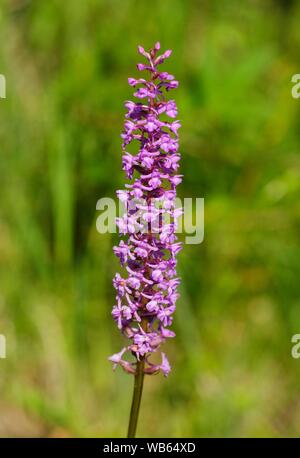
[66, 65]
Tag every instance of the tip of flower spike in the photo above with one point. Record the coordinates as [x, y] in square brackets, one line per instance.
[143, 52]
[157, 46]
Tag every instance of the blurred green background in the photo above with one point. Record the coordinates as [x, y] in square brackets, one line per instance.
[66, 65]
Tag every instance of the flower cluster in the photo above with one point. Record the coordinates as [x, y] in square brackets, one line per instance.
[147, 291]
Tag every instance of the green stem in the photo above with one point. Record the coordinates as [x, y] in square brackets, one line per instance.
[136, 398]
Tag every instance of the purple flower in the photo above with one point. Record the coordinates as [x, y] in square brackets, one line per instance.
[117, 359]
[147, 291]
[165, 366]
